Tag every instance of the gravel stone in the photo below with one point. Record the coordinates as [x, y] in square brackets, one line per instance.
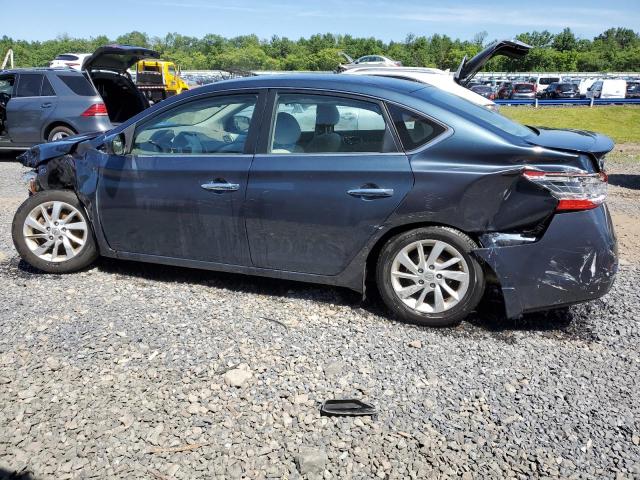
[120, 371]
[311, 461]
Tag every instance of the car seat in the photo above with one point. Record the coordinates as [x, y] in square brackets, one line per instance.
[325, 138]
[286, 135]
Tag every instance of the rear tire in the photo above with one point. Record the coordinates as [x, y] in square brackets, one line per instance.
[51, 232]
[60, 132]
[427, 276]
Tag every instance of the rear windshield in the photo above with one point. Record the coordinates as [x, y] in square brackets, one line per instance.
[478, 113]
[567, 87]
[549, 80]
[78, 85]
[524, 88]
[482, 89]
[66, 57]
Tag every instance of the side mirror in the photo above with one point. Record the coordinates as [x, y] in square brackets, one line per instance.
[116, 144]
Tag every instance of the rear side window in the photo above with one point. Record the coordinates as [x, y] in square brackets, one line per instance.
[78, 85]
[47, 89]
[414, 130]
[29, 85]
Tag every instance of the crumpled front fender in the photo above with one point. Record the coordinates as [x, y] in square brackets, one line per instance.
[574, 261]
[44, 152]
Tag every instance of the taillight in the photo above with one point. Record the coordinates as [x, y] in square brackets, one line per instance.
[574, 191]
[95, 110]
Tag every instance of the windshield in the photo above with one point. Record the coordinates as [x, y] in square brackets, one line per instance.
[567, 87]
[478, 113]
[549, 80]
[482, 89]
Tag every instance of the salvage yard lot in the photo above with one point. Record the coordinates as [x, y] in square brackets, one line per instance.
[119, 371]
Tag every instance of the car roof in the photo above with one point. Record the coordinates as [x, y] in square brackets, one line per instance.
[363, 84]
[40, 70]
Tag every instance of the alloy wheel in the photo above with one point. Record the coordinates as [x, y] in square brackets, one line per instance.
[430, 276]
[59, 136]
[55, 231]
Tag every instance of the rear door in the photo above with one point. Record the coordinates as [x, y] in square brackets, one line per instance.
[313, 212]
[27, 112]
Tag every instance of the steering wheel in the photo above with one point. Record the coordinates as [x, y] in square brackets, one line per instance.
[4, 98]
[187, 142]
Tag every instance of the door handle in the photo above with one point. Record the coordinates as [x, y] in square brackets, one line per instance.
[220, 186]
[371, 193]
[46, 105]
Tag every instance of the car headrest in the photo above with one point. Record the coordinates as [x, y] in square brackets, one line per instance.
[327, 114]
[287, 129]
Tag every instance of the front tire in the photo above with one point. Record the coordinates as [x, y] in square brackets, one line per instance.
[51, 232]
[427, 276]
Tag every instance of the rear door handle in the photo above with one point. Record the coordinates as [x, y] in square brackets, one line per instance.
[370, 193]
[218, 186]
[46, 105]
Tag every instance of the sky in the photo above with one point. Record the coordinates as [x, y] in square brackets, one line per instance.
[387, 20]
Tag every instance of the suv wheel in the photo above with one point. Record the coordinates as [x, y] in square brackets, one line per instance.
[59, 133]
[428, 277]
[51, 231]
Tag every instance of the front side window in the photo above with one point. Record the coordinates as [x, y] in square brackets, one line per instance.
[215, 125]
[414, 130]
[6, 85]
[325, 124]
[29, 85]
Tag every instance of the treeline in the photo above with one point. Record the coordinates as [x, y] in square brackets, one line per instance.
[616, 49]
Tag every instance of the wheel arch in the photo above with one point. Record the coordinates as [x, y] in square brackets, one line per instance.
[56, 123]
[368, 277]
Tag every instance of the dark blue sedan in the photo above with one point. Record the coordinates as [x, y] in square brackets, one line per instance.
[341, 180]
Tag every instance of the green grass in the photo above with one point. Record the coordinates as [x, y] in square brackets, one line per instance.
[621, 123]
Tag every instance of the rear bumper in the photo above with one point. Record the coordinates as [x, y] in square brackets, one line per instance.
[575, 261]
[99, 123]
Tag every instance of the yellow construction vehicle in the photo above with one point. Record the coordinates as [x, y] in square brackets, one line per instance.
[159, 79]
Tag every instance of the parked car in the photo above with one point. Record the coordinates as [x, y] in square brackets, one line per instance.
[561, 90]
[368, 60]
[47, 104]
[225, 177]
[504, 90]
[485, 91]
[69, 60]
[633, 89]
[460, 82]
[608, 88]
[523, 91]
[541, 82]
[430, 76]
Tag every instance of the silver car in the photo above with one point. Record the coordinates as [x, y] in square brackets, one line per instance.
[47, 104]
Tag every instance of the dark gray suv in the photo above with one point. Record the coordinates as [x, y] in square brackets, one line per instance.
[47, 104]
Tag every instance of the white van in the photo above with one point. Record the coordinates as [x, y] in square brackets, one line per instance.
[542, 82]
[608, 88]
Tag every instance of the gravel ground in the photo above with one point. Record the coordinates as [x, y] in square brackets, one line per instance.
[140, 371]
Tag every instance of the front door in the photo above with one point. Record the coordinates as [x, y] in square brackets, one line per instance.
[331, 175]
[28, 110]
[180, 191]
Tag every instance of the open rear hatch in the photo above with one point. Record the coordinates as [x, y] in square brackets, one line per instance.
[117, 58]
[107, 68]
[509, 48]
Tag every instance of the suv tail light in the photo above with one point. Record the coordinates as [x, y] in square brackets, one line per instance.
[95, 110]
[574, 191]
